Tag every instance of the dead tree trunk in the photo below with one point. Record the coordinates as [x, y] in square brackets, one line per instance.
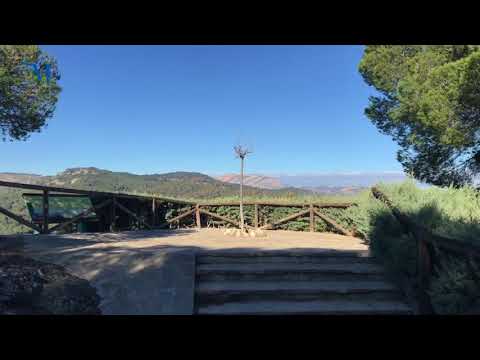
[242, 221]
[241, 153]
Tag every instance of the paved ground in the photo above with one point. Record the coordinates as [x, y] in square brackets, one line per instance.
[208, 239]
[152, 272]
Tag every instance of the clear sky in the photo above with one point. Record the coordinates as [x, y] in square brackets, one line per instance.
[155, 109]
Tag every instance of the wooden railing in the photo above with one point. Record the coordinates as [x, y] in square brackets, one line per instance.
[109, 202]
[427, 242]
[313, 211]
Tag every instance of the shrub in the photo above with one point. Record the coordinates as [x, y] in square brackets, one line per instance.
[449, 212]
[456, 289]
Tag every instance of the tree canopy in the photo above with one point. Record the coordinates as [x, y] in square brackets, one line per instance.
[429, 102]
[28, 90]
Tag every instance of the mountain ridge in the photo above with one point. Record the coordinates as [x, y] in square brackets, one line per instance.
[261, 181]
[195, 184]
[180, 184]
[326, 183]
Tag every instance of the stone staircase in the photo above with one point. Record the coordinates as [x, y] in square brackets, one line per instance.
[290, 282]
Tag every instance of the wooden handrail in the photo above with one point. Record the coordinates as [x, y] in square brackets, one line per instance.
[89, 192]
[333, 223]
[51, 191]
[285, 219]
[278, 204]
[223, 218]
[426, 242]
[20, 219]
[455, 246]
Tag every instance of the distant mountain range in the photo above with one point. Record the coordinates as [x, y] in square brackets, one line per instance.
[329, 183]
[345, 190]
[361, 179]
[18, 177]
[176, 184]
[180, 185]
[260, 181]
[186, 185]
[193, 184]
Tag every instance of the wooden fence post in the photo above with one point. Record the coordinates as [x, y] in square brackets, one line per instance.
[256, 217]
[197, 216]
[113, 214]
[312, 219]
[45, 212]
[424, 272]
[154, 212]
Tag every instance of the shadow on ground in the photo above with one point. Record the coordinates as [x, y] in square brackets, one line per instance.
[154, 279]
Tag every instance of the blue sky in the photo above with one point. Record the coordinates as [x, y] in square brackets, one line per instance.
[155, 109]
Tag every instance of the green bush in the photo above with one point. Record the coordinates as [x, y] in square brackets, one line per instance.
[449, 212]
[456, 288]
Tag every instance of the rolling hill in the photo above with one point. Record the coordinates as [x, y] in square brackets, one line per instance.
[182, 185]
[175, 184]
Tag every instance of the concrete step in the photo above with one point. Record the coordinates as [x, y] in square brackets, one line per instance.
[218, 292]
[351, 268]
[217, 287]
[337, 307]
[295, 276]
[280, 259]
[240, 253]
[261, 269]
[289, 272]
[293, 282]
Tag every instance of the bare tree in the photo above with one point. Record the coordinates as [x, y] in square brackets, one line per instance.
[241, 152]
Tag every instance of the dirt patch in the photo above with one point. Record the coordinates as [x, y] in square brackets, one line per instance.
[28, 286]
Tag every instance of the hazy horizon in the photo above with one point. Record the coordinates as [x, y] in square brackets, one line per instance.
[219, 173]
[301, 180]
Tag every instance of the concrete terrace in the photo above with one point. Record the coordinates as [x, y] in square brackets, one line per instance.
[153, 272]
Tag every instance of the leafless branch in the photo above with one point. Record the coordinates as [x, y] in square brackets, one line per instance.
[241, 151]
